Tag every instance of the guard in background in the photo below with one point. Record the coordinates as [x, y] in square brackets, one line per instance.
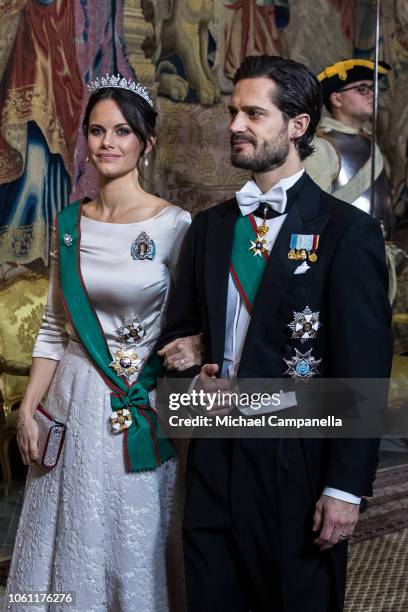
[341, 164]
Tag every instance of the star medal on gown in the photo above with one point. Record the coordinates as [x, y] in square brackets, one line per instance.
[132, 329]
[302, 366]
[68, 240]
[143, 247]
[304, 325]
[125, 362]
[121, 420]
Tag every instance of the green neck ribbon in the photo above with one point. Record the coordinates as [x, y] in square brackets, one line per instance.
[246, 268]
[145, 448]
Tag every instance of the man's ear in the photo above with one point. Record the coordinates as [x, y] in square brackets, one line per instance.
[335, 99]
[298, 126]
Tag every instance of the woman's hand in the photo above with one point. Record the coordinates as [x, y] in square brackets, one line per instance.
[27, 438]
[183, 353]
[41, 374]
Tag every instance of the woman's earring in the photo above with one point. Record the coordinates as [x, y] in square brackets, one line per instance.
[145, 160]
[87, 159]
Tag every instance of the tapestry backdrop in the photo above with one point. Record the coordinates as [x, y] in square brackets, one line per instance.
[186, 51]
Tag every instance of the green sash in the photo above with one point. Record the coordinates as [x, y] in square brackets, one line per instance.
[144, 448]
[246, 268]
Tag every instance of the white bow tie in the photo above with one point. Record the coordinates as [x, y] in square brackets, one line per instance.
[250, 197]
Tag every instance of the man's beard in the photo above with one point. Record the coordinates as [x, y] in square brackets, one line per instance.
[269, 156]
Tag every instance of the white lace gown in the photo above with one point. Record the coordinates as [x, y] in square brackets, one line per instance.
[87, 526]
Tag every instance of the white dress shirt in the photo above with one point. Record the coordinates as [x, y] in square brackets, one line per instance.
[238, 318]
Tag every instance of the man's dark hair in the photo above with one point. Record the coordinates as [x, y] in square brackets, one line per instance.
[297, 91]
[140, 116]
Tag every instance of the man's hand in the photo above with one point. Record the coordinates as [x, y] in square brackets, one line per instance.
[219, 388]
[182, 353]
[335, 520]
[209, 370]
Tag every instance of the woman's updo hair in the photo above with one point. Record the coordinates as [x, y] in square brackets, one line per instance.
[138, 113]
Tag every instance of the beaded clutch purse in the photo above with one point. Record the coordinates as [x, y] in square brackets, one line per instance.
[50, 439]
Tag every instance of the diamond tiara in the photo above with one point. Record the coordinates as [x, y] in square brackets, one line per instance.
[120, 82]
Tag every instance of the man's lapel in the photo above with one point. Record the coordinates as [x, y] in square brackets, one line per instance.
[220, 235]
[303, 218]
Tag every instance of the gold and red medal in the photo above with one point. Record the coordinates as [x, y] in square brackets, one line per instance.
[258, 246]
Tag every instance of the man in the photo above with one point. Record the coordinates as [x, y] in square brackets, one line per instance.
[341, 163]
[267, 520]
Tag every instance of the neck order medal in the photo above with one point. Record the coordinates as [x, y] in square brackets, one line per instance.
[258, 246]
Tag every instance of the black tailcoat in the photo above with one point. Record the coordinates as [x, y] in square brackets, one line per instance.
[227, 481]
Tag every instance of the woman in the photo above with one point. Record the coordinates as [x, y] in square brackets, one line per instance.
[98, 524]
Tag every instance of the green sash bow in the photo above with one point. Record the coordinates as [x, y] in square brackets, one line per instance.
[246, 268]
[144, 448]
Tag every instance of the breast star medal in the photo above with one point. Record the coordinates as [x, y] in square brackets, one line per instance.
[121, 420]
[143, 247]
[304, 325]
[132, 329]
[302, 366]
[125, 362]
